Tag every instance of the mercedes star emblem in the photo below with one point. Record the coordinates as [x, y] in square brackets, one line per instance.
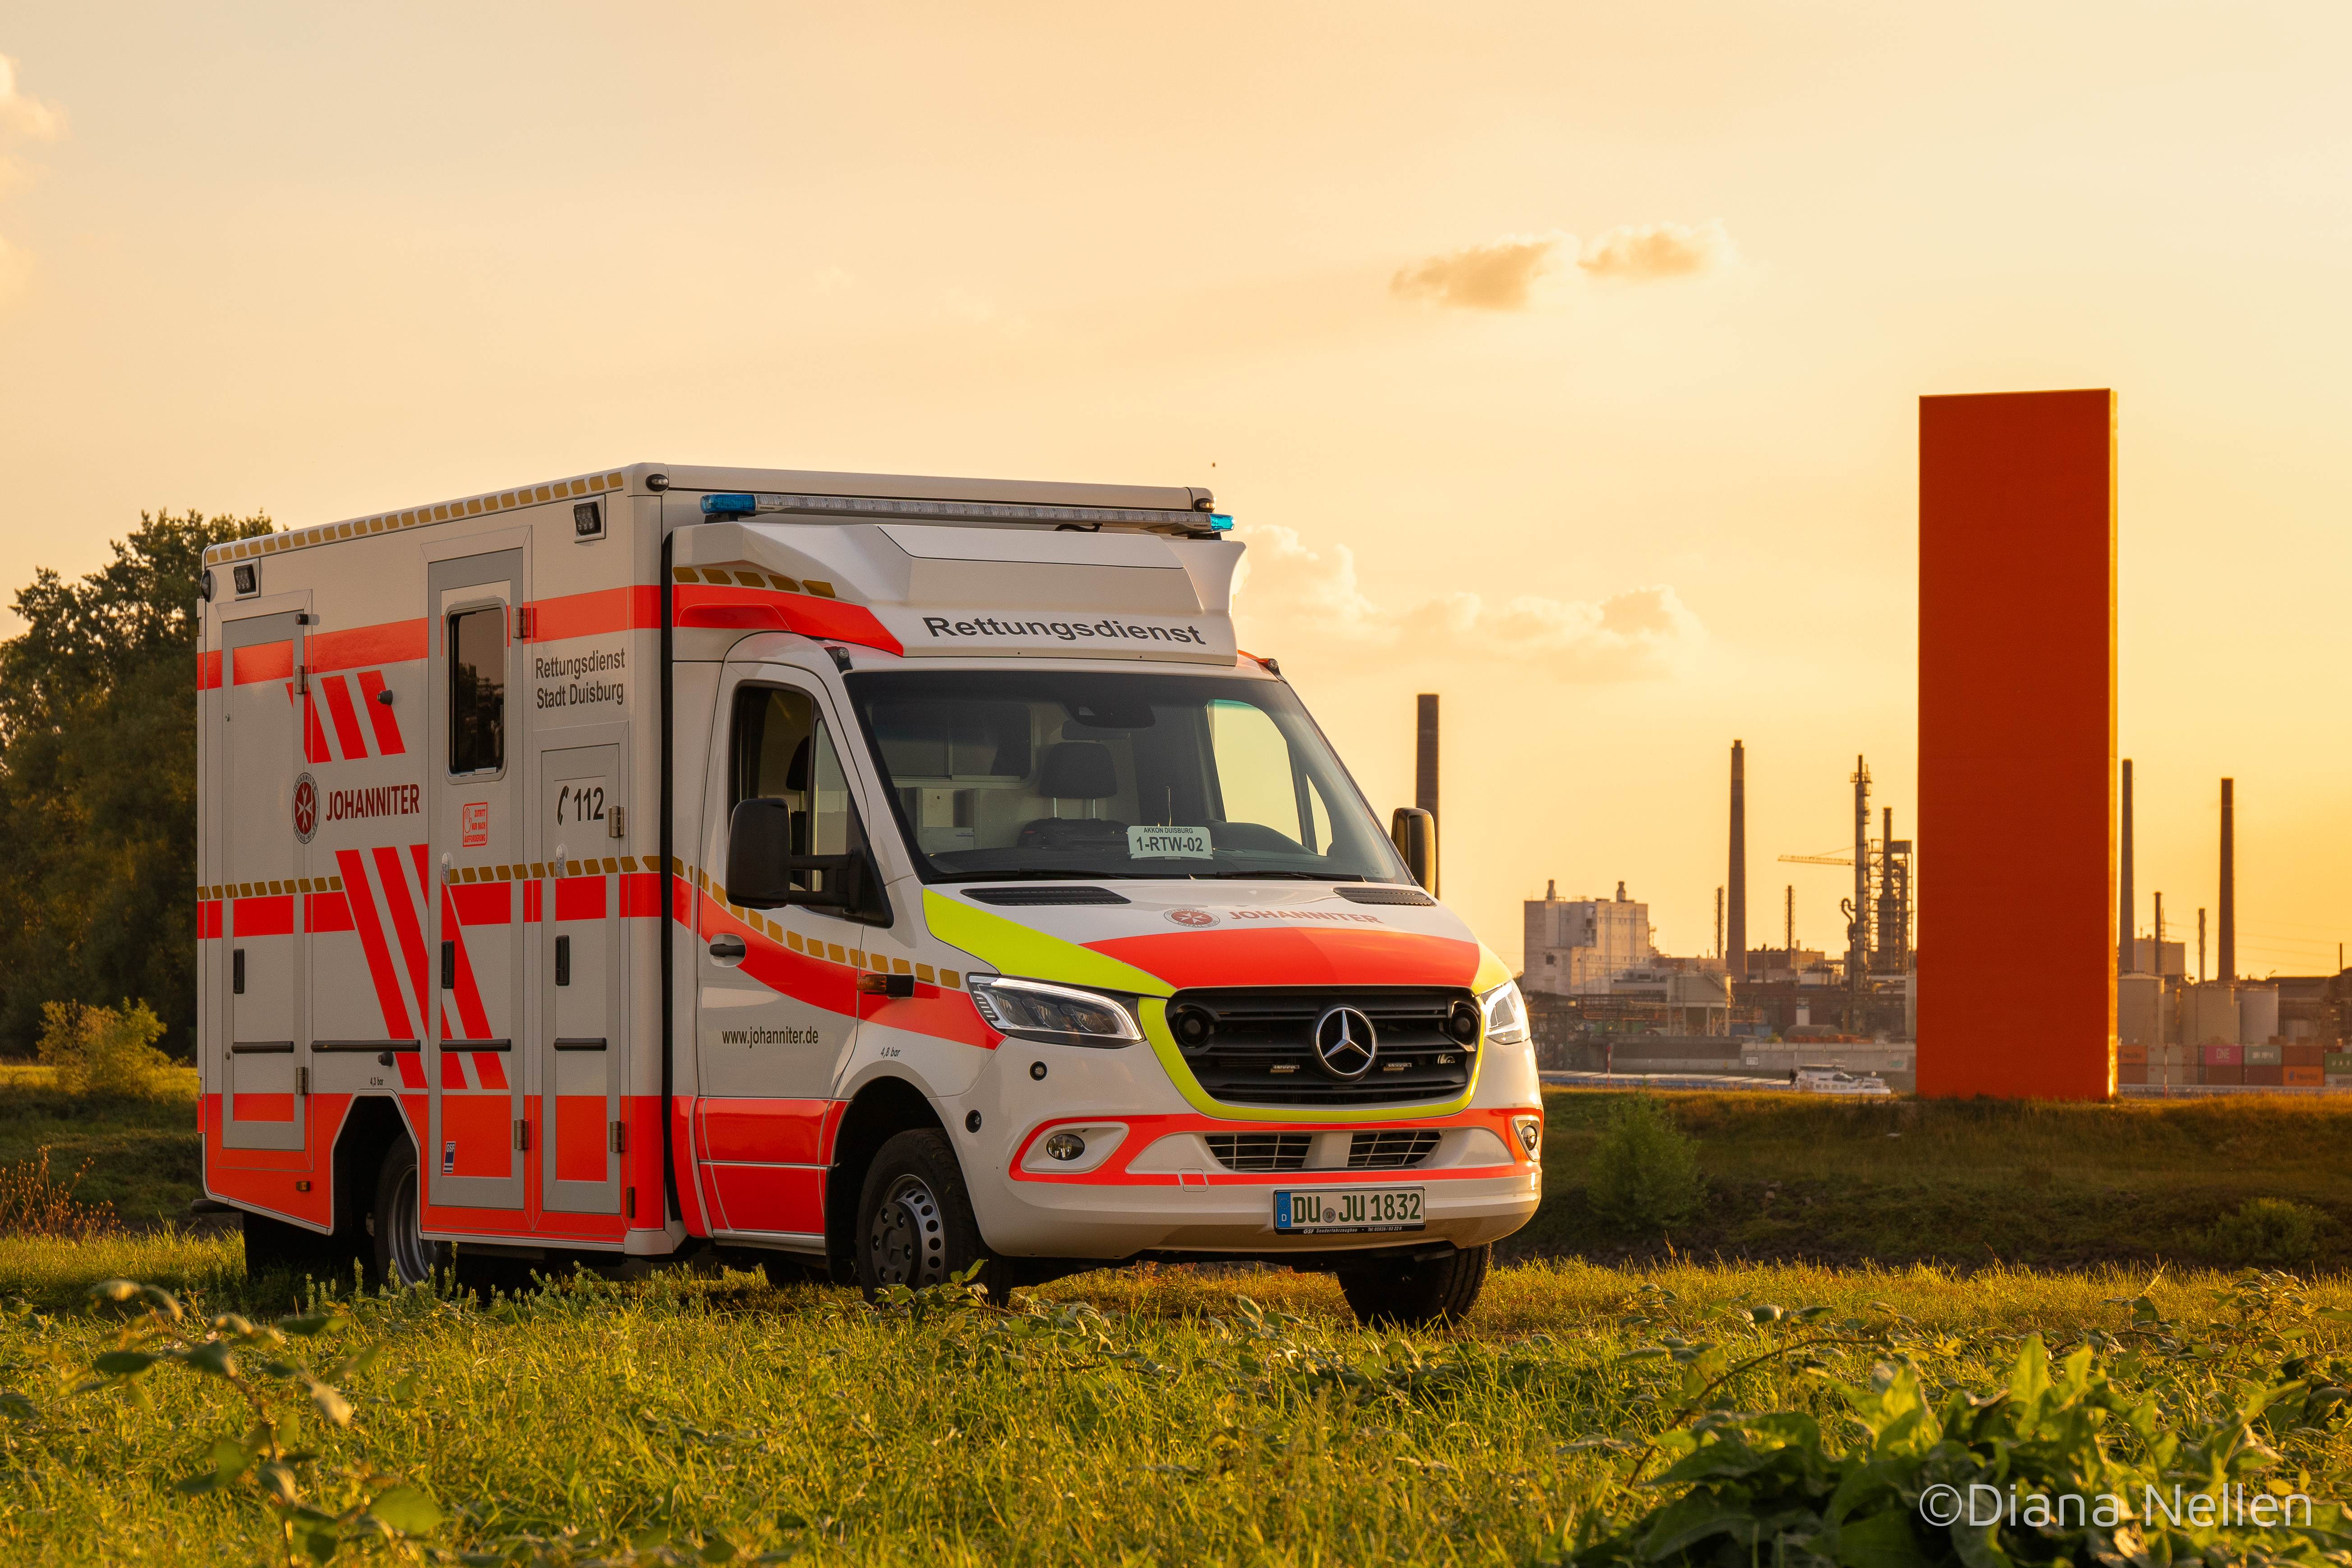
[1344, 1043]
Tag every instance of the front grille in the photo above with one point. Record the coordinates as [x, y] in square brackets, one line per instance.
[1256, 1047]
[1260, 1151]
[1390, 1150]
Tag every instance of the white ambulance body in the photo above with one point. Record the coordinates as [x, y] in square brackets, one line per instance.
[885, 873]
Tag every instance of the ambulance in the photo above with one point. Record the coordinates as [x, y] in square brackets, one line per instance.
[866, 874]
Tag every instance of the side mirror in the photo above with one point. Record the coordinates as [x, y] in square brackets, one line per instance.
[760, 864]
[1415, 833]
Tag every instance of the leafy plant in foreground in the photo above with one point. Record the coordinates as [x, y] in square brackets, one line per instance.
[2078, 1462]
[319, 1508]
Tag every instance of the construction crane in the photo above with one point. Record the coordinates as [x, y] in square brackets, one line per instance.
[1818, 860]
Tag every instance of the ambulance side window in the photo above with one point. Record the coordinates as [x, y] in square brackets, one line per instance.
[477, 690]
[782, 749]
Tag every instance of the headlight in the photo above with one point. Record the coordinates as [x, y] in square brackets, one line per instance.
[1056, 1015]
[1507, 1015]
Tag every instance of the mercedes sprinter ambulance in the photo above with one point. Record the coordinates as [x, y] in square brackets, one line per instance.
[887, 874]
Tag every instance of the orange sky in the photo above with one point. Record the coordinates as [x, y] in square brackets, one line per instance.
[1610, 317]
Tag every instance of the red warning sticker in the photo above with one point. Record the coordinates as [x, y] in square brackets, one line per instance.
[474, 818]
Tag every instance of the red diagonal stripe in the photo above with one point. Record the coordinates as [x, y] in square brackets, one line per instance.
[380, 714]
[471, 1016]
[398, 897]
[362, 898]
[348, 734]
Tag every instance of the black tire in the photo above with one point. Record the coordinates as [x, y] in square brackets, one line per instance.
[915, 1225]
[401, 1254]
[1401, 1293]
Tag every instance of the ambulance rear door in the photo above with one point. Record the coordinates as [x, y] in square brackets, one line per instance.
[268, 812]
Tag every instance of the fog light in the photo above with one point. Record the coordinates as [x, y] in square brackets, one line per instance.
[1530, 1131]
[1065, 1146]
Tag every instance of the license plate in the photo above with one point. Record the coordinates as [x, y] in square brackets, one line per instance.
[1330, 1211]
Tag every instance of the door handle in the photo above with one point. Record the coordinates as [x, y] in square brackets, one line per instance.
[727, 949]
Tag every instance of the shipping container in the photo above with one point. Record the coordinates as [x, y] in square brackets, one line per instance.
[2302, 1056]
[2134, 1056]
[2262, 1055]
[2264, 1077]
[2302, 1078]
[2130, 1072]
[2339, 1080]
[2220, 1056]
[2337, 1062]
[2224, 1074]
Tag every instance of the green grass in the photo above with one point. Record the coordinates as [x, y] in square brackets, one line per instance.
[1172, 1426]
[144, 1156]
[1965, 1183]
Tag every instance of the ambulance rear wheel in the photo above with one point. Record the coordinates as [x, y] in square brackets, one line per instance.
[915, 1225]
[1410, 1294]
[403, 1256]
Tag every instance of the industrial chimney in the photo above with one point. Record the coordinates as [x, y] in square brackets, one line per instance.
[1738, 882]
[2228, 914]
[2126, 942]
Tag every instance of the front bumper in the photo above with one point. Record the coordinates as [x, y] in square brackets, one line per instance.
[1226, 1212]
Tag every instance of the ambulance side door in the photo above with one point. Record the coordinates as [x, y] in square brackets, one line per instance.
[474, 807]
[582, 828]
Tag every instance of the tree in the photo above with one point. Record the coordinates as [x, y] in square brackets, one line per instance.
[98, 784]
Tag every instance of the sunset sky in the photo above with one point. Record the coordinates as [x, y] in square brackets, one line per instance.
[1560, 359]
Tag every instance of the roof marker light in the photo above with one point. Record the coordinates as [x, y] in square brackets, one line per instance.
[1222, 522]
[729, 506]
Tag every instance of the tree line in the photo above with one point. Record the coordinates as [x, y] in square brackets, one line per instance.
[98, 784]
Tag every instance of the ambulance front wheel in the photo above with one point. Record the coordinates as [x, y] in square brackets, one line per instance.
[915, 1225]
[403, 1256]
[1413, 1294]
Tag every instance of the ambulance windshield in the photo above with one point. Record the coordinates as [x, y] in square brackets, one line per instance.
[1042, 774]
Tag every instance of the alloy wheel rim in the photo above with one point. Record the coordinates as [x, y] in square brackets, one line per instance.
[908, 1238]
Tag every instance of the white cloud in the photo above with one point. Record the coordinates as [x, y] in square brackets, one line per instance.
[1289, 589]
[1498, 276]
[1503, 274]
[22, 119]
[28, 118]
[1648, 251]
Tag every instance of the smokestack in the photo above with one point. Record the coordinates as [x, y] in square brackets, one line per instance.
[2228, 912]
[2125, 901]
[1424, 771]
[1738, 882]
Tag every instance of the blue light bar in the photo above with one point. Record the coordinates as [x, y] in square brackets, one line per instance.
[917, 511]
[1222, 522]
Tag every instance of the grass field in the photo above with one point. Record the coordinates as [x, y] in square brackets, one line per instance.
[1970, 1184]
[143, 1156]
[1179, 1418]
[1181, 1415]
